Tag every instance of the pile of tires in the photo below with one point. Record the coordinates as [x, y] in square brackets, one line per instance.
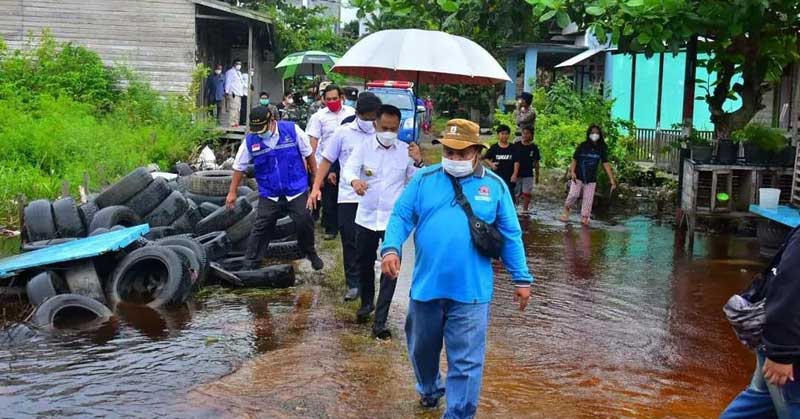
[186, 202]
[193, 239]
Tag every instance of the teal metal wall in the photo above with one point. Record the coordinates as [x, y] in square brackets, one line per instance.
[645, 91]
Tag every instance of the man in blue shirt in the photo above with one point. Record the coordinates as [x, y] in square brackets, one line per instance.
[215, 92]
[452, 282]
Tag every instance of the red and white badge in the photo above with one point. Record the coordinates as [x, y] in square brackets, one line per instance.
[256, 147]
[483, 190]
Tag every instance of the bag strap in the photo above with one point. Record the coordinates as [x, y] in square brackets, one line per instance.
[460, 198]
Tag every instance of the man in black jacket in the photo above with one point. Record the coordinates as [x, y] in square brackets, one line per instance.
[773, 391]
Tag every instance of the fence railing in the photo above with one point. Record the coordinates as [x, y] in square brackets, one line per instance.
[659, 147]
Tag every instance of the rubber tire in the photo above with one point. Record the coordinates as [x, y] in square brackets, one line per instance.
[168, 210]
[223, 217]
[210, 182]
[285, 227]
[39, 221]
[117, 228]
[243, 191]
[252, 197]
[175, 290]
[206, 208]
[243, 228]
[200, 199]
[285, 251]
[187, 223]
[68, 218]
[191, 259]
[276, 276]
[156, 233]
[232, 264]
[44, 286]
[109, 217]
[182, 169]
[98, 231]
[45, 314]
[125, 189]
[148, 198]
[87, 211]
[192, 245]
[32, 246]
[216, 244]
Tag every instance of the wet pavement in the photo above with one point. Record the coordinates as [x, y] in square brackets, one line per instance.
[623, 323]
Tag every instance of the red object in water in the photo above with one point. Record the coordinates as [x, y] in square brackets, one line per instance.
[391, 83]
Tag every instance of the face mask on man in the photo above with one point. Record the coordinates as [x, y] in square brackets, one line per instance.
[387, 138]
[263, 102]
[218, 72]
[334, 105]
[594, 137]
[350, 103]
[457, 168]
[365, 126]
[238, 67]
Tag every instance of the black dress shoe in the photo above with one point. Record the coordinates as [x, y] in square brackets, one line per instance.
[316, 262]
[362, 315]
[382, 333]
[429, 402]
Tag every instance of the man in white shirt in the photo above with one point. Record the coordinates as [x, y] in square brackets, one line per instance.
[234, 90]
[280, 153]
[337, 149]
[378, 170]
[320, 129]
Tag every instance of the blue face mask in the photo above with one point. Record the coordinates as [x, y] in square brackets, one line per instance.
[350, 103]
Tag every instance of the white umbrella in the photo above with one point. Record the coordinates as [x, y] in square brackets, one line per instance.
[423, 56]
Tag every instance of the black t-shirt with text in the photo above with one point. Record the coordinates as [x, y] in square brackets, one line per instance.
[527, 155]
[505, 159]
[588, 157]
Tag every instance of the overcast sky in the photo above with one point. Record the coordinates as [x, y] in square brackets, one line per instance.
[348, 13]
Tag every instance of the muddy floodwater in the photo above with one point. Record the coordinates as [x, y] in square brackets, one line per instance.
[623, 324]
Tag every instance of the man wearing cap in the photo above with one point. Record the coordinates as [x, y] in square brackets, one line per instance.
[378, 170]
[320, 129]
[337, 149]
[452, 282]
[280, 152]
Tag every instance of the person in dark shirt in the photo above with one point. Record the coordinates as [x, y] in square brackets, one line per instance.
[528, 157]
[586, 160]
[215, 93]
[774, 388]
[502, 159]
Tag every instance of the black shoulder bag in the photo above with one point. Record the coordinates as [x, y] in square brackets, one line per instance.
[485, 236]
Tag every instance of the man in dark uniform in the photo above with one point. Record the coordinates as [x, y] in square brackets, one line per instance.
[280, 153]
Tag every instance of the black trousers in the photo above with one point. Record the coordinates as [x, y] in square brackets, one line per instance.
[330, 220]
[264, 226]
[347, 231]
[243, 111]
[368, 241]
[512, 187]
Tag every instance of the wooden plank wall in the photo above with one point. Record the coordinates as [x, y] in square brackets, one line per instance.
[156, 38]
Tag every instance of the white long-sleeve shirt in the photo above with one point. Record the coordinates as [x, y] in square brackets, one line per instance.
[386, 171]
[340, 147]
[234, 83]
[322, 125]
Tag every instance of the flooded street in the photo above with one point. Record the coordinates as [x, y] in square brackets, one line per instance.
[623, 323]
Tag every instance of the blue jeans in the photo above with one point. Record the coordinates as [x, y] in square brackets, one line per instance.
[764, 400]
[462, 329]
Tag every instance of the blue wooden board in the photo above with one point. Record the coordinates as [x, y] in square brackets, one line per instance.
[74, 250]
[784, 215]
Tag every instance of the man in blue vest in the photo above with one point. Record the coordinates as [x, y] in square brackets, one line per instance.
[281, 154]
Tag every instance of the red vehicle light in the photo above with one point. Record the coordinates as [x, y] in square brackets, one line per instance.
[391, 83]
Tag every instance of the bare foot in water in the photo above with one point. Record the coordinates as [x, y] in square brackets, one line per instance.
[585, 221]
[564, 216]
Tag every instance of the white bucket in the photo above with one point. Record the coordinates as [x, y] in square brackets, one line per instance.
[768, 198]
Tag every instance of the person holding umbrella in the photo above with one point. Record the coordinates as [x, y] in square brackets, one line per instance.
[452, 283]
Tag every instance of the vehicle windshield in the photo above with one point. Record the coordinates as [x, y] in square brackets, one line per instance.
[401, 101]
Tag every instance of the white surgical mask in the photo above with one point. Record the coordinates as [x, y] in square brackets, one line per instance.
[238, 66]
[594, 136]
[365, 126]
[457, 168]
[290, 101]
[387, 138]
[218, 72]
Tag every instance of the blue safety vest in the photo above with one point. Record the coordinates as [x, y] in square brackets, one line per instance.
[280, 171]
